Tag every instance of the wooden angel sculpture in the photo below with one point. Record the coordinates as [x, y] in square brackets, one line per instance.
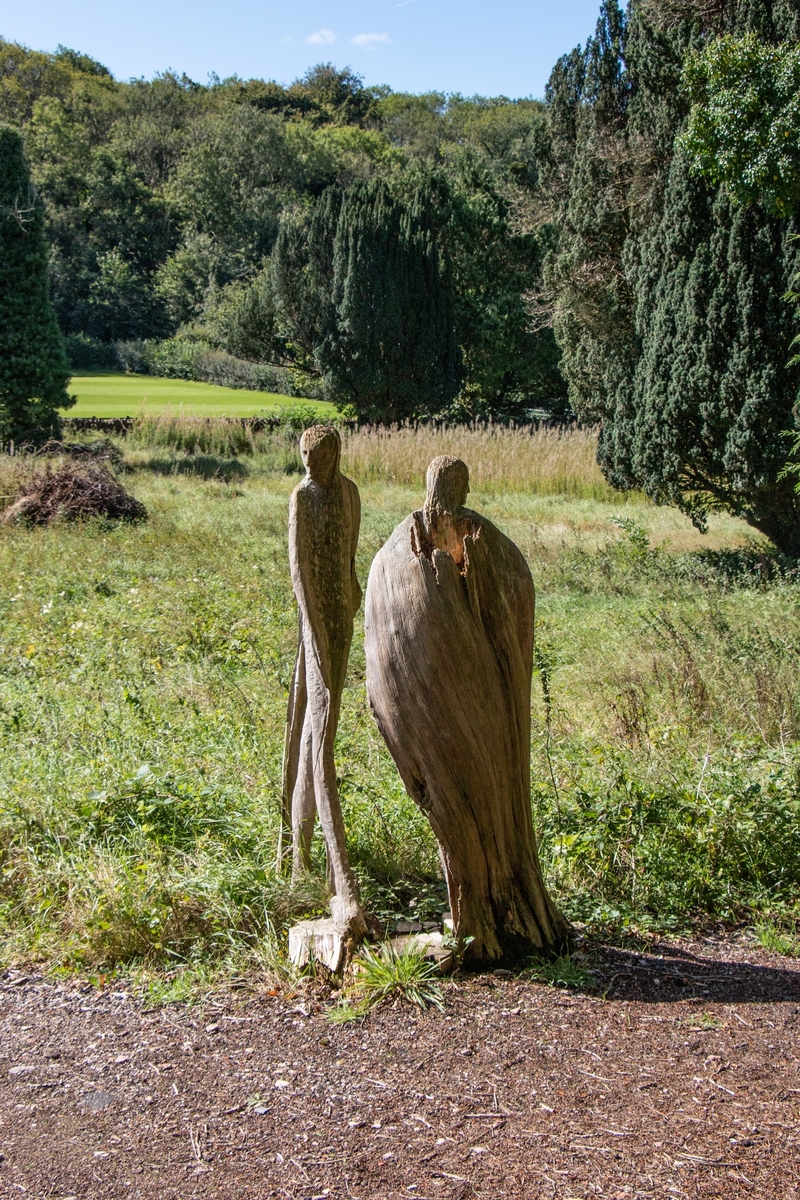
[324, 519]
[449, 647]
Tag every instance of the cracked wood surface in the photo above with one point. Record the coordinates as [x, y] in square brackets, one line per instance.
[324, 520]
[449, 648]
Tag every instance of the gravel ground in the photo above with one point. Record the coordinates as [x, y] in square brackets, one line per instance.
[679, 1077]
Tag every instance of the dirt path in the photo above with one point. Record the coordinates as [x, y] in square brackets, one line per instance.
[683, 1082]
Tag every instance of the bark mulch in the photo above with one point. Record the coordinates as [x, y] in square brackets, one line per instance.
[679, 1077]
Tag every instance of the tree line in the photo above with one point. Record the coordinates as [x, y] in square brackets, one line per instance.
[202, 211]
[621, 251]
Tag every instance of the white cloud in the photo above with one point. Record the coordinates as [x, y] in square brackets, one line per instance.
[323, 37]
[370, 41]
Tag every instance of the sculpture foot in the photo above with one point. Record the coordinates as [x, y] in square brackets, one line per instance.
[348, 919]
[317, 941]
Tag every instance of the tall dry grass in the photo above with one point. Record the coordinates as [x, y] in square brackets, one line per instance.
[532, 459]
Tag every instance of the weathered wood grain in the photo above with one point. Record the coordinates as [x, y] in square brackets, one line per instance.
[324, 519]
[449, 648]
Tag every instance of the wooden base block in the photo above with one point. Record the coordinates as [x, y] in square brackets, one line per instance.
[429, 945]
[316, 941]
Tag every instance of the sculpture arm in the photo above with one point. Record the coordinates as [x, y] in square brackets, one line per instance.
[312, 622]
[355, 526]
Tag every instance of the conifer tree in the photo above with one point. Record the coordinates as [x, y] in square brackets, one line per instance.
[588, 95]
[33, 364]
[712, 394]
[371, 296]
[686, 364]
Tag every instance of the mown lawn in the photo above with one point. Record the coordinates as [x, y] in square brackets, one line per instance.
[143, 681]
[118, 395]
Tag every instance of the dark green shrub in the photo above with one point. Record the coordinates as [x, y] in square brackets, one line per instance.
[86, 353]
[33, 365]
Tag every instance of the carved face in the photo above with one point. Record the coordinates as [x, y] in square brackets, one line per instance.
[320, 449]
[448, 484]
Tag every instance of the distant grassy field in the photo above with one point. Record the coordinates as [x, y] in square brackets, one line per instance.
[117, 395]
[143, 681]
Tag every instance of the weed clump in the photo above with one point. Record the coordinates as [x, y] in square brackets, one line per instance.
[388, 974]
[71, 492]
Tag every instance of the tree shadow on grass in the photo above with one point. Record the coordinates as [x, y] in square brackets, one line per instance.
[200, 466]
[667, 973]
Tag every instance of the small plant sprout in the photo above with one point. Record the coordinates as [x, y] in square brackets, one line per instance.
[779, 940]
[564, 971]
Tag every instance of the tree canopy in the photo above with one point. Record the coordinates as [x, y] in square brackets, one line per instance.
[744, 126]
[164, 200]
[622, 250]
[667, 295]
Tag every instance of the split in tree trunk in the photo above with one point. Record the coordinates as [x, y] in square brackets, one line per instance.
[449, 647]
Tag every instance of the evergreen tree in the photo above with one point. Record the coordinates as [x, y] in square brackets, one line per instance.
[373, 295]
[33, 364]
[392, 353]
[301, 272]
[585, 180]
[712, 394]
[686, 364]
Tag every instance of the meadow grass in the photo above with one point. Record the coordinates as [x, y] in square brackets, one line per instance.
[113, 394]
[536, 460]
[144, 672]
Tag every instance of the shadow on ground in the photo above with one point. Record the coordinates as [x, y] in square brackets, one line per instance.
[202, 466]
[668, 973]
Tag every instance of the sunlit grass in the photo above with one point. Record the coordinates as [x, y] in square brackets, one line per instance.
[386, 974]
[143, 681]
[534, 460]
[113, 394]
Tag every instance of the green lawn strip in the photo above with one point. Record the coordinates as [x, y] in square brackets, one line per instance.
[118, 395]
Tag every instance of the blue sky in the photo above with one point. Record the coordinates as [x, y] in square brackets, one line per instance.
[494, 47]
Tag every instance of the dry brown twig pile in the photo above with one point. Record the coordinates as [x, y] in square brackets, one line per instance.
[70, 492]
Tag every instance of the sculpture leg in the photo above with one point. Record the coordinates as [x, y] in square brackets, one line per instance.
[295, 723]
[345, 908]
[304, 807]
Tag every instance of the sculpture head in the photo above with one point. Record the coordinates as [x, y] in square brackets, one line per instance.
[448, 485]
[321, 449]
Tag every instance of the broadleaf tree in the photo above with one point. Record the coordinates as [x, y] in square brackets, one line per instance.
[744, 125]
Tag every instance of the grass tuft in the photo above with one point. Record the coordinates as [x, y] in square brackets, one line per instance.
[390, 975]
[566, 971]
[778, 938]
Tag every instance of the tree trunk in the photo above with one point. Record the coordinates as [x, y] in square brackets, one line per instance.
[777, 516]
[449, 647]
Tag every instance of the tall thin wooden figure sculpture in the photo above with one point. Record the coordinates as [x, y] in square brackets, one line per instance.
[449, 645]
[324, 519]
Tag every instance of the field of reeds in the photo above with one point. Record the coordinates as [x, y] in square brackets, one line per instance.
[143, 680]
[536, 459]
